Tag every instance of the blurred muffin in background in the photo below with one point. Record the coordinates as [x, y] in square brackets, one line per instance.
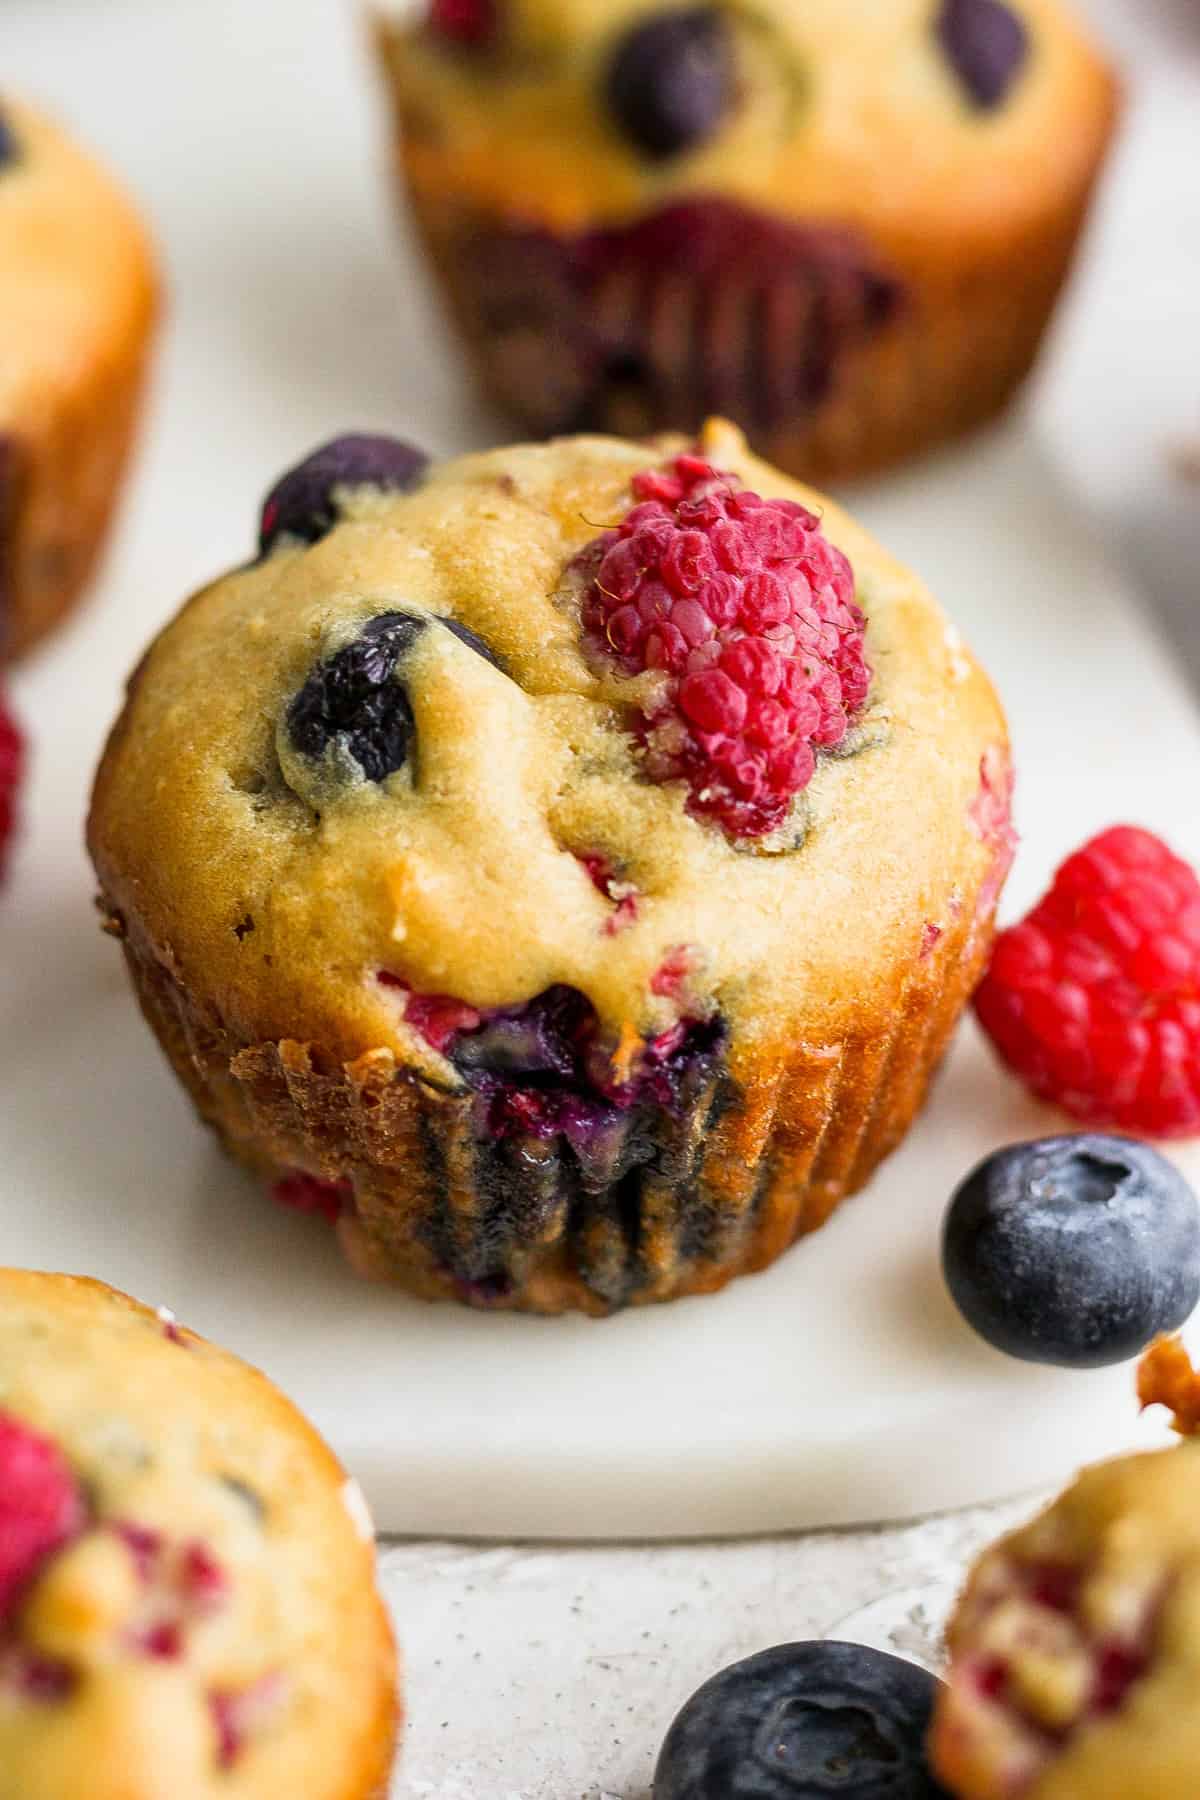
[78, 301]
[843, 225]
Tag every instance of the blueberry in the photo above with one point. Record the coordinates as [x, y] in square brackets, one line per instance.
[473, 641]
[9, 148]
[1073, 1250]
[353, 699]
[671, 80]
[986, 44]
[803, 1722]
[304, 503]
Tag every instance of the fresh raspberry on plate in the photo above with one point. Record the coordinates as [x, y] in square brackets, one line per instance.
[1094, 999]
[12, 767]
[41, 1506]
[748, 613]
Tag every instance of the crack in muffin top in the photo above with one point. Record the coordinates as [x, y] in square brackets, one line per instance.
[512, 839]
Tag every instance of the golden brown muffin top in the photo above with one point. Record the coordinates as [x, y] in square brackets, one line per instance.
[209, 1624]
[75, 265]
[280, 889]
[910, 118]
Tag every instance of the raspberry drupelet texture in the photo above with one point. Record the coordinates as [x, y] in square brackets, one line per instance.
[749, 613]
[41, 1507]
[12, 767]
[1094, 999]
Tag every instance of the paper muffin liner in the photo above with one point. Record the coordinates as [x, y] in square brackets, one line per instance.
[765, 1142]
[832, 359]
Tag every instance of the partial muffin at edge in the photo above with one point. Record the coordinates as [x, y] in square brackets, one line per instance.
[188, 1602]
[78, 306]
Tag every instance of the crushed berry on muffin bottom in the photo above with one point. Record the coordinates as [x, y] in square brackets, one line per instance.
[703, 307]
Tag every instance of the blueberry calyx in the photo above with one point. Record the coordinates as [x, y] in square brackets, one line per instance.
[304, 502]
[1073, 1250]
[671, 80]
[804, 1722]
[986, 45]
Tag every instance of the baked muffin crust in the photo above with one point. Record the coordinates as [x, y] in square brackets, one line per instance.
[211, 1626]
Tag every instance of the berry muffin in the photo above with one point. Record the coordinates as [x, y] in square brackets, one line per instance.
[562, 866]
[187, 1586]
[1075, 1650]
[77, 311]
[844, 224]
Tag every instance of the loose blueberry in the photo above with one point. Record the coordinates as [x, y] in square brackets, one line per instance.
[671, 80]
[8, 143]
[1073, 1250]
[304, 503]
[353, 699]
[987, 46]
[802, 1722]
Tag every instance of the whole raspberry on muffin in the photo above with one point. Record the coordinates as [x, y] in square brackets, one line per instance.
[1075, 1649]
[1094, 999]
[570, 867]
[187, 1585]
[78, 301]
[844, 224]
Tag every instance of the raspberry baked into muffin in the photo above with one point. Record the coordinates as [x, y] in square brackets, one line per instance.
[563, 866]
[844, 224]
[187, 1584]
[1075, 1650]
[78, 301]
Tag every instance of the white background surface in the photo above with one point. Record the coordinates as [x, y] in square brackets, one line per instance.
[565, 1695]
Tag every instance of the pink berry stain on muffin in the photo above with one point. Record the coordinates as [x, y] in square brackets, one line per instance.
[12, 770]
[748, 612]
[175, 1584]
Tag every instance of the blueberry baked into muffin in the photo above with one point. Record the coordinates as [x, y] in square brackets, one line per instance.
[187, 1588]
[844, 224]
[1075, 1650]
[78, 301]
[562, 866]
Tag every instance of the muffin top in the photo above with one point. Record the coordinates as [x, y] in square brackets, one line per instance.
[76, 276]
[922, 120]
[187, 1595]
[429, 757]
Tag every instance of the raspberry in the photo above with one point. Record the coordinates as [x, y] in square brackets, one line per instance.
[41, 1506]
[749, 613]
[471, 23]
[12, 767]
[301, 1192]
[1094, 999]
